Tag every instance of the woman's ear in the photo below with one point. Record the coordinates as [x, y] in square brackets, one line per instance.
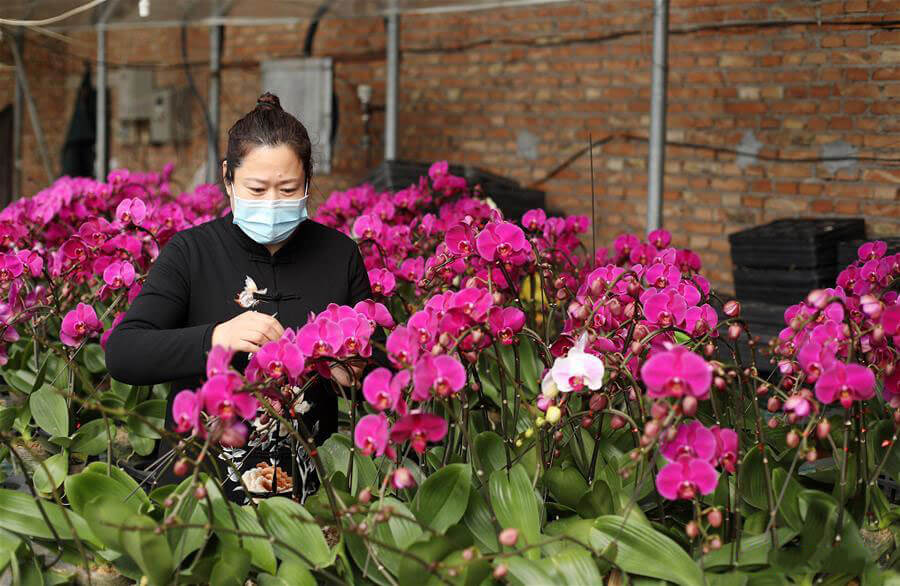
[224, 170]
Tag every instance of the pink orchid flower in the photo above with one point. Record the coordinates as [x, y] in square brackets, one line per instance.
[32, 260]
[131, 211]
[376, 312]
[534, 220]
[694, 440]
[383, 282]
[321, 337]
[78, 324]
[403, 346]
[419, 428]
[276, 360]
[402, 478]
[221, 400]
[10, 267]
[498, 241]
[218, 361]
[675, 373]
[379, 391]
[666, 308]
[686, 478]
[186, 411]
[505, 322]
[371, 434]
[726, 447]
[847, 383]
[442, 375]
[700, 320]
[119, 274]
[116, 321]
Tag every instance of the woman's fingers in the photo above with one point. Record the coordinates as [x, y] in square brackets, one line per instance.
[245, 346]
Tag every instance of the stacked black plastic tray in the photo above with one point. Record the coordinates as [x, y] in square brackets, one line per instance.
[848, 250]
[510, 197]
[780, 262]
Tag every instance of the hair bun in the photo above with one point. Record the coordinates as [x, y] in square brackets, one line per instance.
[269, 100]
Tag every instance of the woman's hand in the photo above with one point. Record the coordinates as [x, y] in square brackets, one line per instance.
[341, 376]
[247, 332]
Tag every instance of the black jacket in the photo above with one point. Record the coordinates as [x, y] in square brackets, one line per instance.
[166, 333]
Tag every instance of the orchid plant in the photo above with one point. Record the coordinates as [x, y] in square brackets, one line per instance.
[544, 412]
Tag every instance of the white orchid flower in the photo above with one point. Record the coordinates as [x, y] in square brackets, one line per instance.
[577, 369]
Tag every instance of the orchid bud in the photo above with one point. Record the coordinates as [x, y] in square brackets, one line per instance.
[792, 439]
[365, 496]
[811, 455]
[509, 537]
[616, 422]
[709, 350]
[878, 334]
[817, 298]
[553, 414]
[636, 348]
[634, 288]
[402, 478]
[773, 423]
[598, 402]
[615, 307]
[200, 492]
[871, 306]
[689, 405]
[734, 331]
[714, 517]
[500, 572]
[659, 410]
[715, 543]
[773, 405]
[762, 390]
[720, 383]
[629, 310]
[498, 298]
[181, 467]
[692, 530]
[468, 554]
[732, 308]
[651, 428]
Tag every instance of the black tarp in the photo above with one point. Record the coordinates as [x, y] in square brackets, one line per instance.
[78, 150]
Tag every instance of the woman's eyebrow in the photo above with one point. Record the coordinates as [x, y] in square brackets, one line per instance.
[282, 182]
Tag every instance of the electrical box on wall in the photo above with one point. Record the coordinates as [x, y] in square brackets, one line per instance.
[170, 116]
[133, 95]
[304, 88]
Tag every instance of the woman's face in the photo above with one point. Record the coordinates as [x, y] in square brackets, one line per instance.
[268, 173]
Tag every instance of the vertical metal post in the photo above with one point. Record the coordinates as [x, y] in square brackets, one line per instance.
[100, 154]
[100, 150]
[393, 57]
[22, 82]
[657, 149]
[18, 107]
[215, 84]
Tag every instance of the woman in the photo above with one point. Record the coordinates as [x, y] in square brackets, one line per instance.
[238, 281]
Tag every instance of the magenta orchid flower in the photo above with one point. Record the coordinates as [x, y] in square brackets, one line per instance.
[534, 220]
[701, 320]
[221, 400]
[686, 478]
[186, 411]
[676, 373]
[726, 448]
[11, 267]
[846, 383]
[441, 375]
[498, 241]
[377, 313]
[371, 434]
[692, 439]
[119, 274]
[378, 390]
[383, 282]
[505, 323]
[276, 360]
[666, 308]
[218, 361]
[321, 337]
[78, 324]
[131, 211]
[419, 428]
[403, 346]
[116, 321]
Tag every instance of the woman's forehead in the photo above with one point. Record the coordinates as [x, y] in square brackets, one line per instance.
[268, 163]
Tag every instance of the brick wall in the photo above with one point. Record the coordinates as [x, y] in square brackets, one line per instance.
[475, 87]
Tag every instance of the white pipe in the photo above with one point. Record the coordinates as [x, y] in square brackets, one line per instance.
[656, 162]
[215, 83]
[101, 141]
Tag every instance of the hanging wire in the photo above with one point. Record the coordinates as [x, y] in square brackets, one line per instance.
[52, 19]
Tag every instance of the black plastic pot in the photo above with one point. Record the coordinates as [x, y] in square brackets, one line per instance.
[793, 243]
[848, 249]
[781, 286]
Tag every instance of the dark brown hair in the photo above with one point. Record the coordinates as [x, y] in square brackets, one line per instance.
[267, 125]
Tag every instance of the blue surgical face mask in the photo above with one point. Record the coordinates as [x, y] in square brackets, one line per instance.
[269, 221]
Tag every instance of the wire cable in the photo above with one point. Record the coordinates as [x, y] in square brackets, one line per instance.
[52, 19]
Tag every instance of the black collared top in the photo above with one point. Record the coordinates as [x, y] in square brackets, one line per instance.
[192, 287]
